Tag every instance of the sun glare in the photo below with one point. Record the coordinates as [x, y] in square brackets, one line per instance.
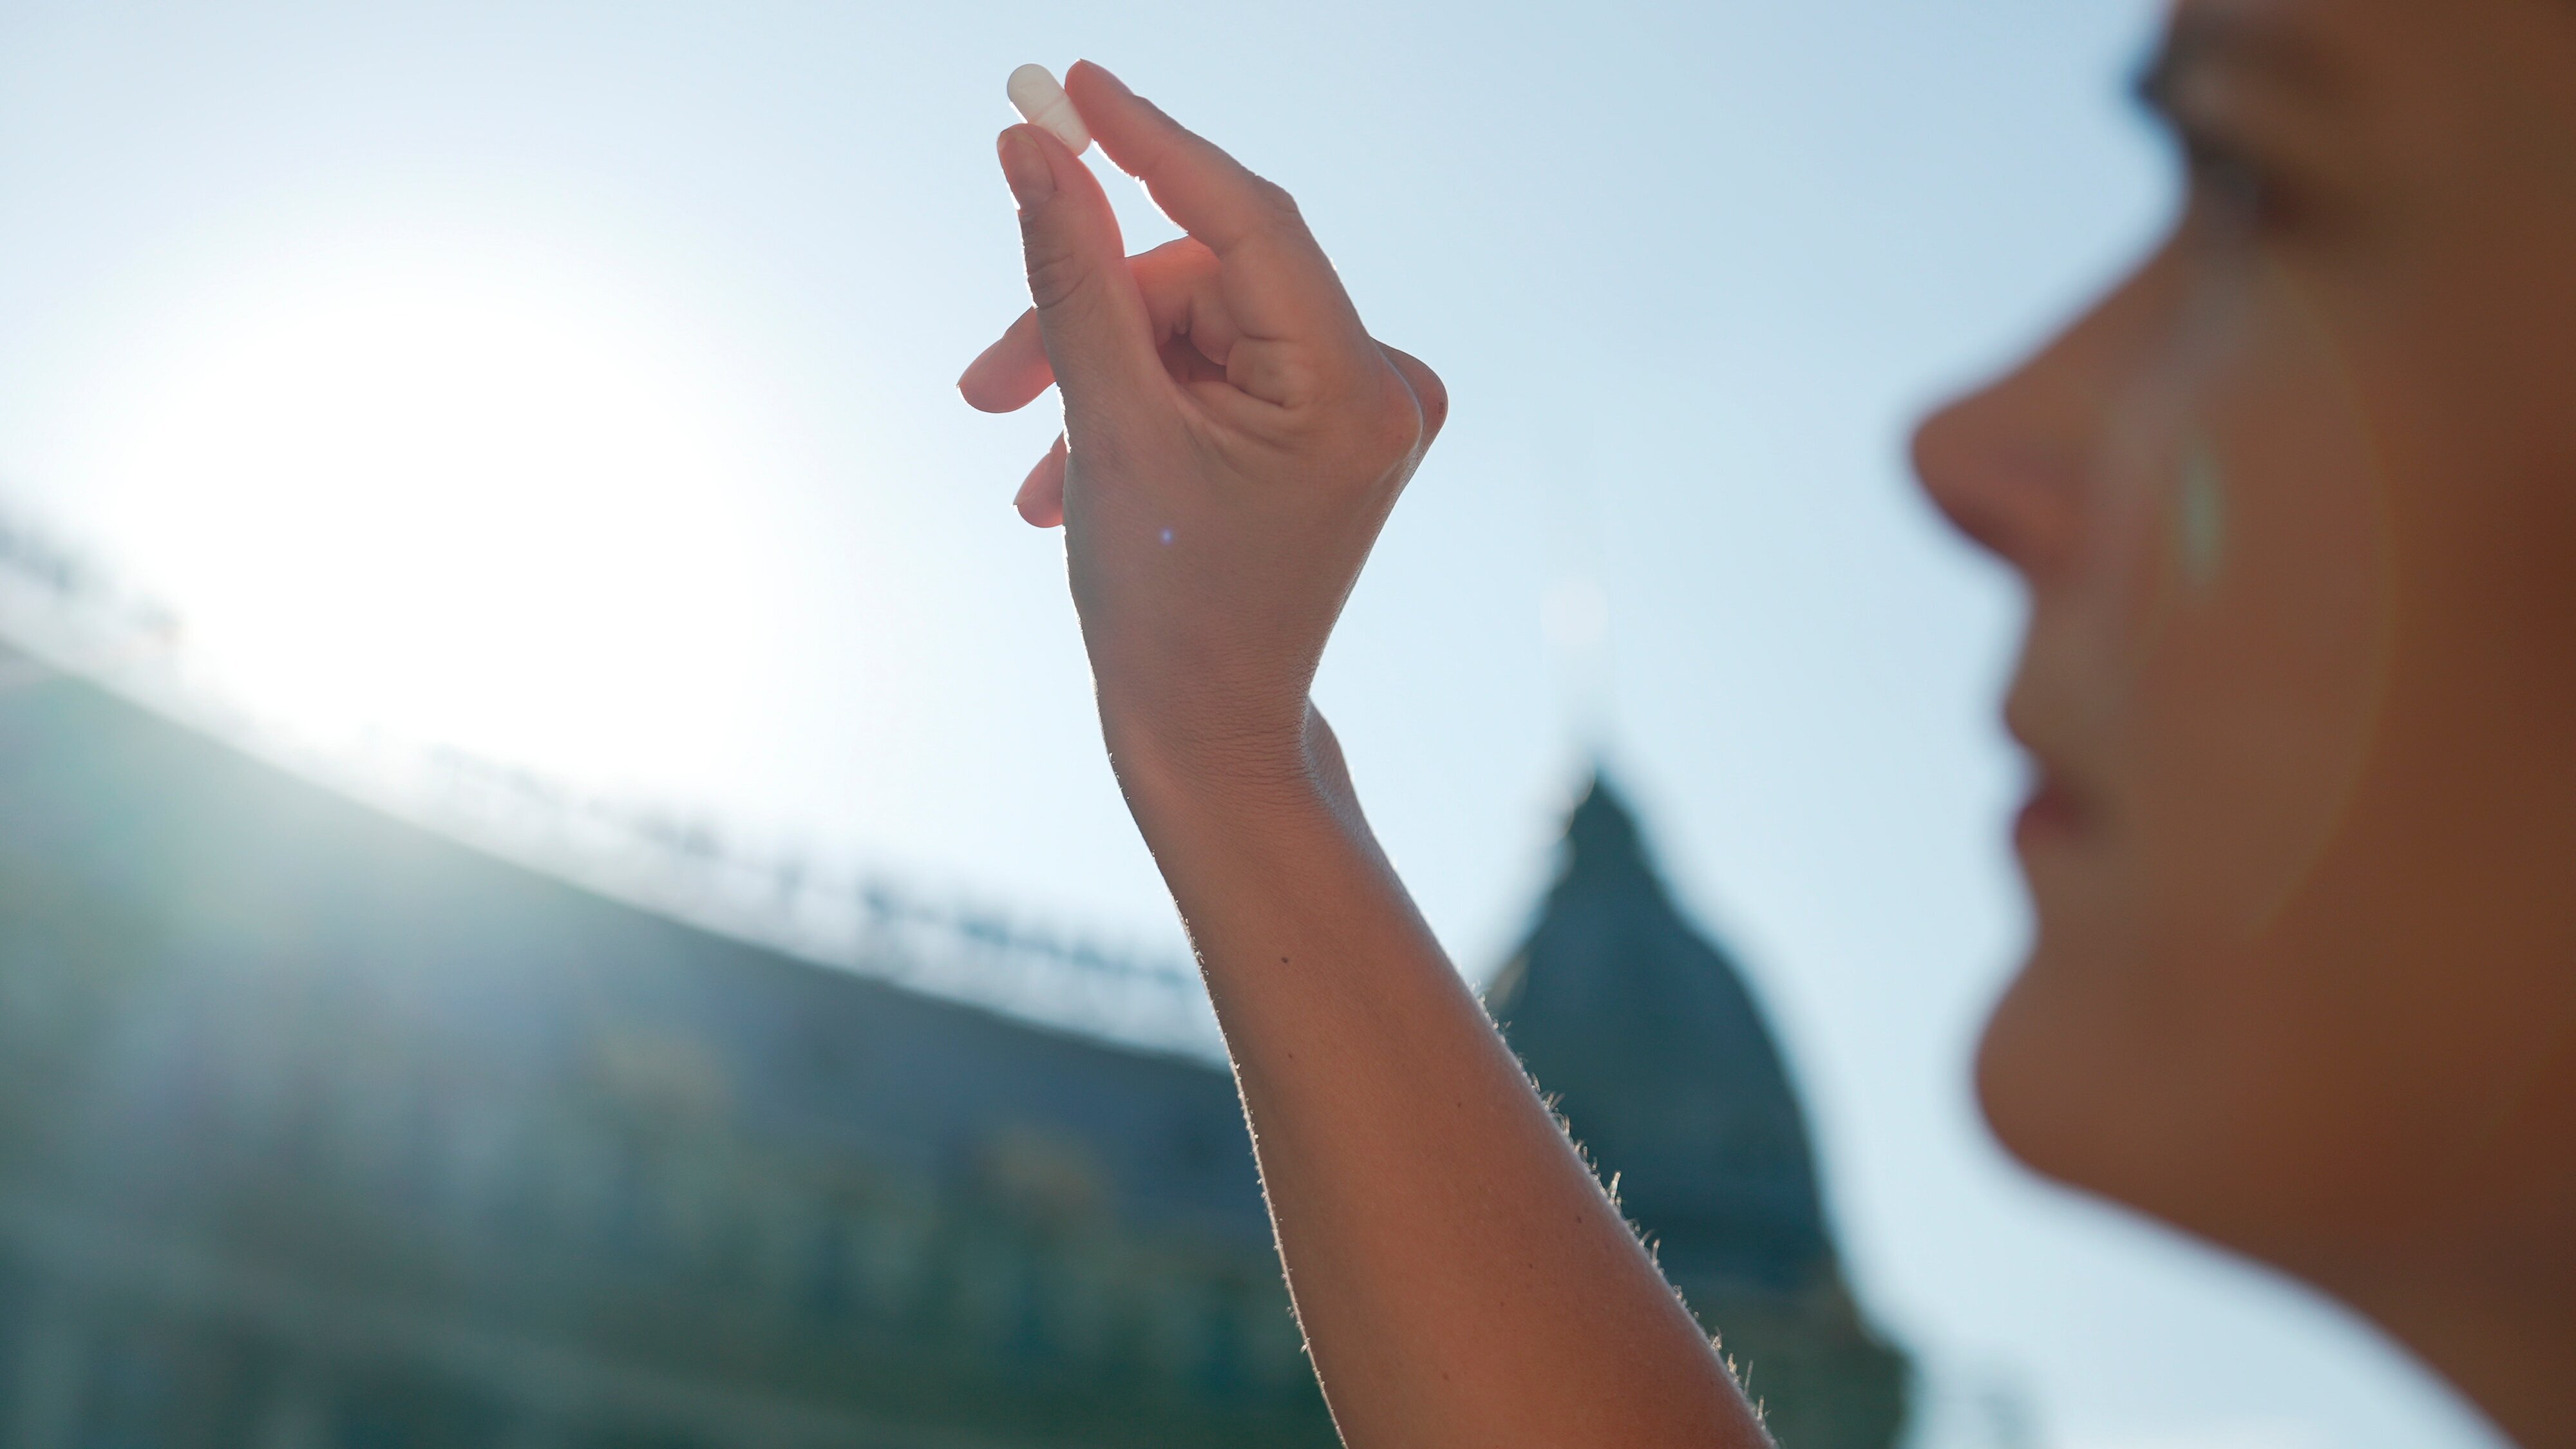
[509, 511]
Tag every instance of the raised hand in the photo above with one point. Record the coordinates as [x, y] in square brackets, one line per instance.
[1233, 438]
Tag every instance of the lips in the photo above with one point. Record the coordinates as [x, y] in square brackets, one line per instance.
[2053, 815]
[2058, 811]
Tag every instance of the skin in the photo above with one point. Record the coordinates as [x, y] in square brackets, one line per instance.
[2295, 508]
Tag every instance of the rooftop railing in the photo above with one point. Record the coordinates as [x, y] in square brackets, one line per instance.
[69, 615]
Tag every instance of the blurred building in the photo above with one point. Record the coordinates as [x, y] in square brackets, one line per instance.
[319, 1130]
[1659, 1062]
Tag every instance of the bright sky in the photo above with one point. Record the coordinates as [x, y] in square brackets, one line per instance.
[572, 383]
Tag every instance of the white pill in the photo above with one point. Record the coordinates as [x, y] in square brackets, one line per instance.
[1042, 102]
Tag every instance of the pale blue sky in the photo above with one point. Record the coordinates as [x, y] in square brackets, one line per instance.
[572, 382]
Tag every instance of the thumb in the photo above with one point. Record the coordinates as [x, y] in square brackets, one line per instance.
[1099, 338]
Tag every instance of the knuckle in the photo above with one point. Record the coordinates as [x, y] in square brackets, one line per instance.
[1277, 206]
[1173, 266]
[1154, 165]
[1433, 395]
[1384, 424]
[1426, 400]
[1056, 275]
[1396, 429]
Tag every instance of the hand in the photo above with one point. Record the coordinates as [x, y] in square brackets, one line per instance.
[1232, 442]
[1233, 439]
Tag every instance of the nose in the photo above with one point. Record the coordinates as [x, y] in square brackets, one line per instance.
[2003, 477]
[2011, 465]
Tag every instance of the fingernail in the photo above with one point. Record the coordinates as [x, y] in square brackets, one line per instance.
[1025, 167]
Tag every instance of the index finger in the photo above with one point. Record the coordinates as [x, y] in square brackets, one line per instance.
[1213, 197]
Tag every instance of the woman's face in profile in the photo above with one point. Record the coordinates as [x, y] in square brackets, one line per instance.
[2296, 510]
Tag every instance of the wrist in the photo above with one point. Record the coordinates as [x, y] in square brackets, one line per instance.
[1164, 765]
[1259, 816]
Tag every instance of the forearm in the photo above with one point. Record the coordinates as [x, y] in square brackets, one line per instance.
[1461, 1277]
[1233, 440]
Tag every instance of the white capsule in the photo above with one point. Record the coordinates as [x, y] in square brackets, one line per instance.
[1042, 102]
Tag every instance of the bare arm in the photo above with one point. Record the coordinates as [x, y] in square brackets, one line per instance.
[1234, 440]
[1460, 1275]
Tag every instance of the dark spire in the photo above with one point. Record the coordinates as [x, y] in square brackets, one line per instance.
[1661, 1063]
[1602, 834]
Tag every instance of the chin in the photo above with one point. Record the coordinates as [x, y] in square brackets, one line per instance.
[2076, 1085]
[2090, 1076]
[2031, 1084]
[2040, 1067]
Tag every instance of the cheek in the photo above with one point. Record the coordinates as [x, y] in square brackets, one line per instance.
[2262, 663]
[2218, 664]
[2221, 663]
